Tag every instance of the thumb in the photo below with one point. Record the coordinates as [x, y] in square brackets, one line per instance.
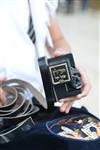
[59, 52]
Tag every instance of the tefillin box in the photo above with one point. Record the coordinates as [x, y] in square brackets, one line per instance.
[60, 77]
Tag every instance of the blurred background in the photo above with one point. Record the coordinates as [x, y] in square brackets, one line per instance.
[79, 21]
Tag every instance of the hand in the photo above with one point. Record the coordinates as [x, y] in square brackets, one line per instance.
[67, 102]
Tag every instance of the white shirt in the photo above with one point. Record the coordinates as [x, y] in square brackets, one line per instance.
[17, 53]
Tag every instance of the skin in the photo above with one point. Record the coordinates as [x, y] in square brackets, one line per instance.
[2, 93]
[59, 42]
[2, 97]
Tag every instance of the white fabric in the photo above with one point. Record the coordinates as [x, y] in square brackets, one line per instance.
[17, 53]
[41, 21]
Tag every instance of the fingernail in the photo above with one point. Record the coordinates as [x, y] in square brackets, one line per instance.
[67, 111]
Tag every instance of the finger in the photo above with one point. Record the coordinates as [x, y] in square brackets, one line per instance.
[0, 104]
[86, 89]
[66, 107]
[70, 99]
[2, 96]
[2, 100]
[86, 84]
[63, 106]
[84, 93]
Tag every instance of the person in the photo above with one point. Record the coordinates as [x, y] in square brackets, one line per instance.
[19, 54]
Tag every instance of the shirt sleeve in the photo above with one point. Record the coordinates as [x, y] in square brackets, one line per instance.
[51, 6]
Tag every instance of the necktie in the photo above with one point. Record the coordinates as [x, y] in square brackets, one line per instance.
[31, 31]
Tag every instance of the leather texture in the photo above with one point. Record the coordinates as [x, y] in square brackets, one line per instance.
[60, 77]
[20, 97]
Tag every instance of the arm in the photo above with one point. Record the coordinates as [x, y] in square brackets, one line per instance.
[61, 47]
[59, 42]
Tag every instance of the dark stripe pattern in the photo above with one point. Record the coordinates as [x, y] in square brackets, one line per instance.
[31, 31]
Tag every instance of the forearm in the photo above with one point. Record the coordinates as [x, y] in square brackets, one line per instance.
[58, 39]
[62, 44]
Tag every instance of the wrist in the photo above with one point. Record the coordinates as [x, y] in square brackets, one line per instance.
[60, 51]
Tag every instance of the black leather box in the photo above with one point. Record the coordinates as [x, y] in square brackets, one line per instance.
[60, 77]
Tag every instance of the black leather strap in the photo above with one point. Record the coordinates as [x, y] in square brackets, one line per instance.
[27, 87]
[20, 97]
